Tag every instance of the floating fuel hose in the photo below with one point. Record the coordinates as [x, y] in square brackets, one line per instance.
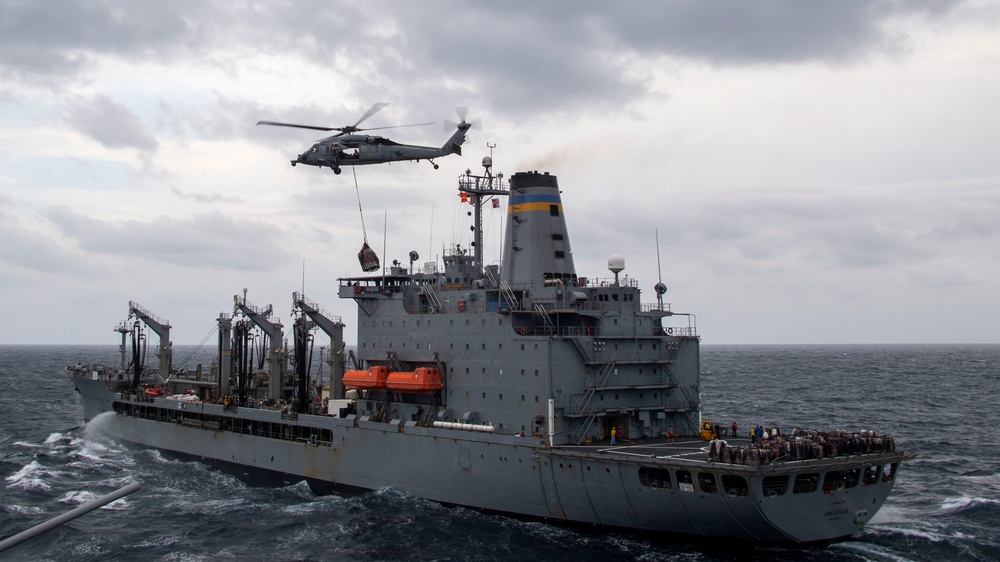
[138, 354]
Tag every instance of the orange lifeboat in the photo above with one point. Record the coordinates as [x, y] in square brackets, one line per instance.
[424, 380]
[372, 379]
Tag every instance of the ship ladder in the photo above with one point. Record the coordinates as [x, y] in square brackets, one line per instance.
[509, 296]
[583, 405]
[432, 298]
[582, 350]
[549, 326]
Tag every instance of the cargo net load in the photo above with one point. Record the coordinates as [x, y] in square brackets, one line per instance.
[802, 444]
[368, 258]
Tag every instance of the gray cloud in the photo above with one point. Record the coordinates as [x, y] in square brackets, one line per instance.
[205, 197]
[42, 41]
[110, 123]
[566, 55]
[206, 240]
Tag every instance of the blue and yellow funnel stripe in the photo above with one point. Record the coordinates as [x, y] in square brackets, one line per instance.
[539, 202]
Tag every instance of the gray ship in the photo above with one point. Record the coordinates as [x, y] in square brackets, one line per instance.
[522, 389]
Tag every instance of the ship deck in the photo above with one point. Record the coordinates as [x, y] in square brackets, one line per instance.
[688, 448]
[693, 450]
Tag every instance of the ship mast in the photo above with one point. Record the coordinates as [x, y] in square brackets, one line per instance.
[479, 188]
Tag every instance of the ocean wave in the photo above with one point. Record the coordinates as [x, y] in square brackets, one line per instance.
[935, 536]
[80, 497]
[893, 514]
[32, 477]
[964, 503]
[54, 438]
[870, 551]
[23, 509]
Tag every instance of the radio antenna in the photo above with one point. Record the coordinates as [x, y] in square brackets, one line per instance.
[660, 288]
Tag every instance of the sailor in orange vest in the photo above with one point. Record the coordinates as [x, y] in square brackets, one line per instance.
[613, 433]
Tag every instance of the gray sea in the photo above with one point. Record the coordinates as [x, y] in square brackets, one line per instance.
[936, 400]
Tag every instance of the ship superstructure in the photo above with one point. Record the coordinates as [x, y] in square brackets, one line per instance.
[497, 387]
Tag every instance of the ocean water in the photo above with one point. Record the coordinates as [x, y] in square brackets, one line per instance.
[937, 401]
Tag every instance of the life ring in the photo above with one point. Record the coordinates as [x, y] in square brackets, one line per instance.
[670, 331]
[522, 331]
[357, 289]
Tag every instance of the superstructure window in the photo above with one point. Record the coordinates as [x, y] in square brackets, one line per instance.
[890, 472]
[871, 475]
[805, 483]
[706, 481]
[655, 477]
[684, 481]
[560, 254]
[735, 485]
[554, 210]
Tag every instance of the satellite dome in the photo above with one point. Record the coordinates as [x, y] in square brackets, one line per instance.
[487, 162]
[616, 263]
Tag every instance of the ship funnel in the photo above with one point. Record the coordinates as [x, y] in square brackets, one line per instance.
[536, 244]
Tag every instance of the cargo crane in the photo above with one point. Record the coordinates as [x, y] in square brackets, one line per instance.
[260, 317]
[332, 326]
[162, 329]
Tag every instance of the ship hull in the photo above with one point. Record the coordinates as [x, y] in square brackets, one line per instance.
[498, 473]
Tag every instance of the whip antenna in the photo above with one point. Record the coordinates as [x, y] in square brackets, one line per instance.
[660, 288]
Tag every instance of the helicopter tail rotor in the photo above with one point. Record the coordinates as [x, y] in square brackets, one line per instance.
[463, 112]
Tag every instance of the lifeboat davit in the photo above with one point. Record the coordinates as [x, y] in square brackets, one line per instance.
[372, 379]
[424, 380]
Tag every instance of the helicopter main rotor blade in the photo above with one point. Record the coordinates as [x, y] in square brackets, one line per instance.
[313, 127]
[398, 126]
[372, 111]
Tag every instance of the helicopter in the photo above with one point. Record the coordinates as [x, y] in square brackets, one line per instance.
[350, 148]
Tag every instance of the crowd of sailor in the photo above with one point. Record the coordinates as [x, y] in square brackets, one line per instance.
[802, 444]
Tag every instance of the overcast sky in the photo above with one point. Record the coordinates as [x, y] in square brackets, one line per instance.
[817, 172]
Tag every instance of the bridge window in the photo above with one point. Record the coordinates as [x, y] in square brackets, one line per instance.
[655, 477]
[805, 483]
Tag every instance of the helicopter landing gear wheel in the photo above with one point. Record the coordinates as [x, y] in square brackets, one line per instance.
[436, 166]
[294, 163]
[337, 170]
